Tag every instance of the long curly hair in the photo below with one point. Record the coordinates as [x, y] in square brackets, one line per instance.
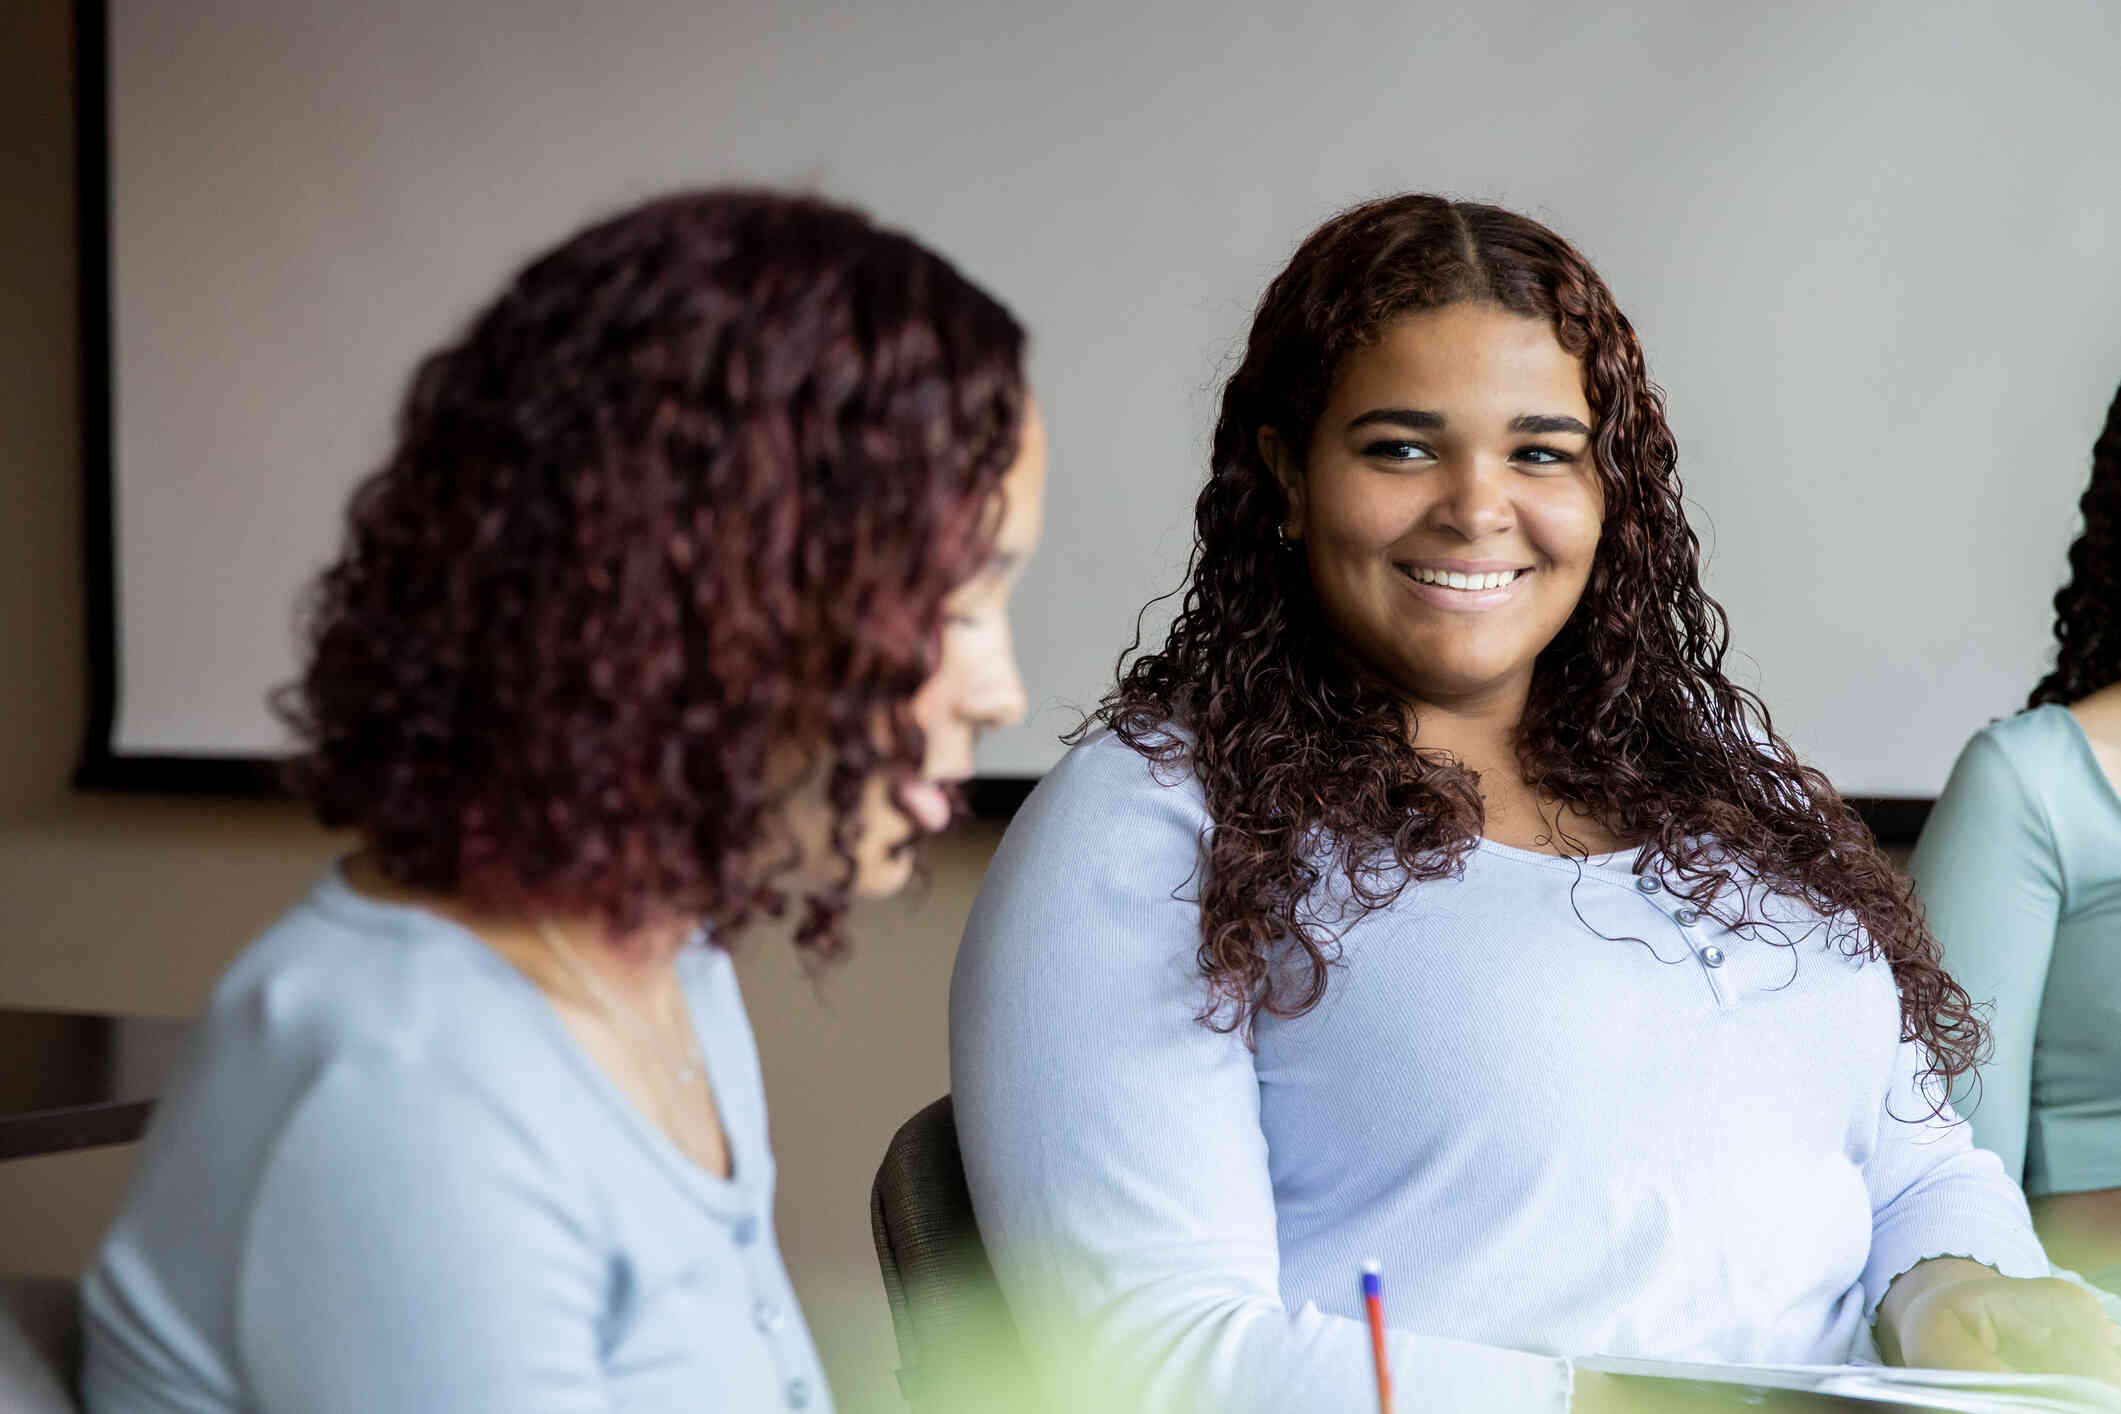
[1631, 718]
[2088, 606]
[666, 531]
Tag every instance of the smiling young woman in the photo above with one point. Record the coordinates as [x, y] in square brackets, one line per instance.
[1432, 895]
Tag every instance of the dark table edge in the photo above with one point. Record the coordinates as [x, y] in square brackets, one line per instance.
[56, 1131]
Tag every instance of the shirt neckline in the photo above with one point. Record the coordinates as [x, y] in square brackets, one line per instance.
[1619, 858]
[723, 1195]
[2081, 742]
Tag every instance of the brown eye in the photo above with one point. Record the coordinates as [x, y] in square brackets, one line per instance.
[1397, 450]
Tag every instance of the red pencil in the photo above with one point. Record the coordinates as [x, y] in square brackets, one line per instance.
[1373, 1297]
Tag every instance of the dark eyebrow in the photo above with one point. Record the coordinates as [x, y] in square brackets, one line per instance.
[1419, 418]
[1547, 422]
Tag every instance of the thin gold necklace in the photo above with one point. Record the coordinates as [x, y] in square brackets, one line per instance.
[687, 1067]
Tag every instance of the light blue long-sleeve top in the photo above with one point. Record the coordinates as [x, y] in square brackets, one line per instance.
[1634, 1133]
[2019, 868]
[392, 1180]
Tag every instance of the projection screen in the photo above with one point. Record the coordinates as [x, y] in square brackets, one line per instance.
[1870, 250]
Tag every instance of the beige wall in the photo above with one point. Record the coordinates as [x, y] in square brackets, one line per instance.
[136, 904]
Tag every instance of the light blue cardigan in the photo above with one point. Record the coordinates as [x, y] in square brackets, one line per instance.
[393, 1181]
[1568, 1115]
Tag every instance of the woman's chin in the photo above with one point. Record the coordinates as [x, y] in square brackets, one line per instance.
[883, 875]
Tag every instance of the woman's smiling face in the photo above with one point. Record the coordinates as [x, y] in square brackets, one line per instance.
[1448, 508]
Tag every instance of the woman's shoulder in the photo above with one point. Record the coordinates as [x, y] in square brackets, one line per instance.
[2030, 733]
[342, 978]
[1150, 774]
[1106, 806]
[1090, 903]
[2042, 752]
[1112, 833]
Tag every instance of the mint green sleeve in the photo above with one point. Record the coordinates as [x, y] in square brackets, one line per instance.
[1989, 877]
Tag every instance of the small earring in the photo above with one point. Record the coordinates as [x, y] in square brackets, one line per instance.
[1281, 537]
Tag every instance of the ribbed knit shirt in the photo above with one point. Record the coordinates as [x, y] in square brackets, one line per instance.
[1570, 1115]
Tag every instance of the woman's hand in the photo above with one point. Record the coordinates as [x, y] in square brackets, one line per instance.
[1953, 1314]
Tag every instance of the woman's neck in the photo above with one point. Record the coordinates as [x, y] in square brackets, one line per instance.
[1479, 732]
[640, 968]
[1482, 736]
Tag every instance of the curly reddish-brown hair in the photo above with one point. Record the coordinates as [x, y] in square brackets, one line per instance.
[1631, 718]
[2088, 607]
[666, 531]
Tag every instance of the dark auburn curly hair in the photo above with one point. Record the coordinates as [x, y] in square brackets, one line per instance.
[2088, 607]
[669, 526]
[1631, 718]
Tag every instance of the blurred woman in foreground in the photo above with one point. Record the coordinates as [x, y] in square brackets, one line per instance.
[683, 594]
[2019, 867]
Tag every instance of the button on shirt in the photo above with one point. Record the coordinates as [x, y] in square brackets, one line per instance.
[392, 1180]
[1570, 1111]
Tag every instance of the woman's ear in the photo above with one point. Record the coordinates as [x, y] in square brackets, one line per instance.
[1276, 454]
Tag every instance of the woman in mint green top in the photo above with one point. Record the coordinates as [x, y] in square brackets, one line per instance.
[2019, 868]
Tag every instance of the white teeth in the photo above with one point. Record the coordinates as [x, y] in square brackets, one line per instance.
[1452, 579]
